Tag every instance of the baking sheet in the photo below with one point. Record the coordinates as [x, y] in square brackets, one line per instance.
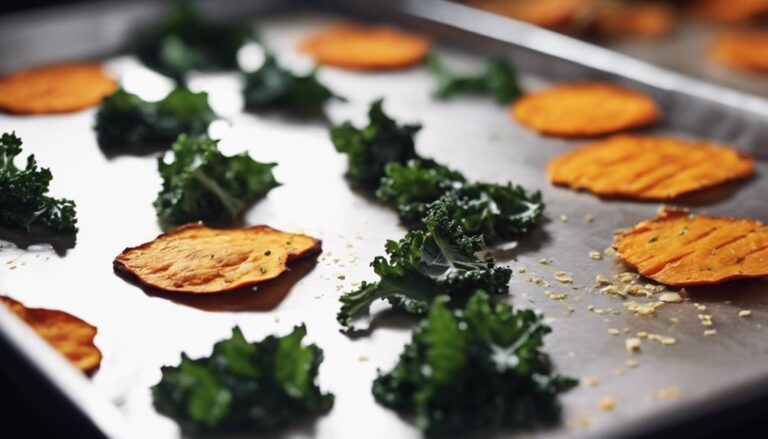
[139, 332]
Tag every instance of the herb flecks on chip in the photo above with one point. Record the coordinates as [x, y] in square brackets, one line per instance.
[126, 120]
[24, 200]
[186, 41]
[424, 265]
[370, 149]
[202, 184]
[478, 368]
[244, 386]
[275, 87]
[498, 79]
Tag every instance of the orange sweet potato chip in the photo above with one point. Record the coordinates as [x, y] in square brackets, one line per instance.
[742, 50]
[54, 89]
[366, 48]
[69, 335]
[681, 249]
[551, 14]
[584, 109]
[651, 168]
[639, 20]
[201, 260]
[730, 11]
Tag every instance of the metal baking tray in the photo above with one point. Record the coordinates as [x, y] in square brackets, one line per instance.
[140, 332]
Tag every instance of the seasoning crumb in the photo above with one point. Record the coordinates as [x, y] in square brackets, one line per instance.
[545, 261]
[521, 269]
[610, 251]
[745, 313]
[668, 394]
[631, 363]
[674, 320]
[708, 332]
[601, 280]
[564, 218]
[563, 277]
[341, 277]
[607, 404]
[276, 319]
[614, 331]
[618, 371]
[671, 298]
[581, 421]
[362, 358]
[589, 218]
[591, 382]
[595, 255]
[643, 309]
[632, 344]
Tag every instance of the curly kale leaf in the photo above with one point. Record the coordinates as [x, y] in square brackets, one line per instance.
[370, 149]
[498, 79]
[498, 212]
[202, 184]
[125, 120]
[243, 386]
[472, 369]
[273, 86]
[186, 41]
[424, 265]
[24, 202]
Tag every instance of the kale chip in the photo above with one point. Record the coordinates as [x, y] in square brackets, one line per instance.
[498, 79]
[24, 202]
[477, 368]
[125, 120]
[275, 87]
[243, 386]
[371, 148]
[424, 265]
[202, 184]
[186, 41]
[498, 212]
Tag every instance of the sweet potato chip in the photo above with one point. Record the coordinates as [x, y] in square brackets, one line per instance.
[551, 14]
[201, 260]
[730, 11]
[638, 20]
[584, 109]
[742, 50]
[651, 168]
[69, 335]
[55, 89]
[681, 249]
[366, 48]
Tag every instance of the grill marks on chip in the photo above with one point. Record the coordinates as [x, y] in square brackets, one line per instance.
[584, 109]
[55, 89]
[651, 168]
[202, 260]
[552, 14]
[69, 335]
[680, 249]
[360, 47]
[742, 50]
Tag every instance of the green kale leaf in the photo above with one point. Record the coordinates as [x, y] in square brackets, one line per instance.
[242, 386]
[24, 202]
[371, 148]
[424, 265]
[498, 79]
[186, 41]
[125, 120]
[273, 86]
[202, 184]
[498, 212]
[477, 368]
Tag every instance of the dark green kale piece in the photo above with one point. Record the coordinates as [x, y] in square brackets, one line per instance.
[477, 368]
[186, 41]
[440, 260]
[498, 79]
[24, 200]
[498, 212]
[370, 149]
[125, 120]
[242, 386]
[202, 184]
[275, 87]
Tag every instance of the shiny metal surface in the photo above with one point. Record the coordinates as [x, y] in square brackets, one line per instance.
[139, 332]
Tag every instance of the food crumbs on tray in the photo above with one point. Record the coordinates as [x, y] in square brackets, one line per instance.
[591, 382]
[581, 421]
[706, 319]
[614, 331]
[668, 394]
[643, 309]
[589, 218]
[545, 261]
[564, 218]
[632, 344]
[521, 270]
[607, 404]
[745, 313]
[362, 358]
[601, 280]
[631, 363]
[618, 371]
[563, 277]
[671, 298]
[595, 255]
[276, 319]
[674, 320]
[708, 332]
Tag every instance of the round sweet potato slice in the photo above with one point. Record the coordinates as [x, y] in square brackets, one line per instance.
[634, 21]
[742, 50]
[55, 89]
[681, 249]
[551, 14]
[69, 335]
[360, 47]
[202, 260]
[649, 168]
[584, 109]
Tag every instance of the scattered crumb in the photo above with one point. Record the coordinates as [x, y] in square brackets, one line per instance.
[632, 344]
[631, 363]
[362, 358]
[564, 218]
[643, 309]
[618, 371]
[591, 382]
[708, 332]
[563, 277]
[674, 320]
[545, 261]
[706, 319]
[745, 313]
[642, 334]
[595, 255]
[581, 421]
[555, 296]
[610, 251]
[589, 218]
[701, 308]
[614, 331]
[521, 269]
[671, 298]
[607, 404]
[276, 319]
[601, 280]
[668, 394]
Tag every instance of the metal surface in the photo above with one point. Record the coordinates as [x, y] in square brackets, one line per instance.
[140, 332]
